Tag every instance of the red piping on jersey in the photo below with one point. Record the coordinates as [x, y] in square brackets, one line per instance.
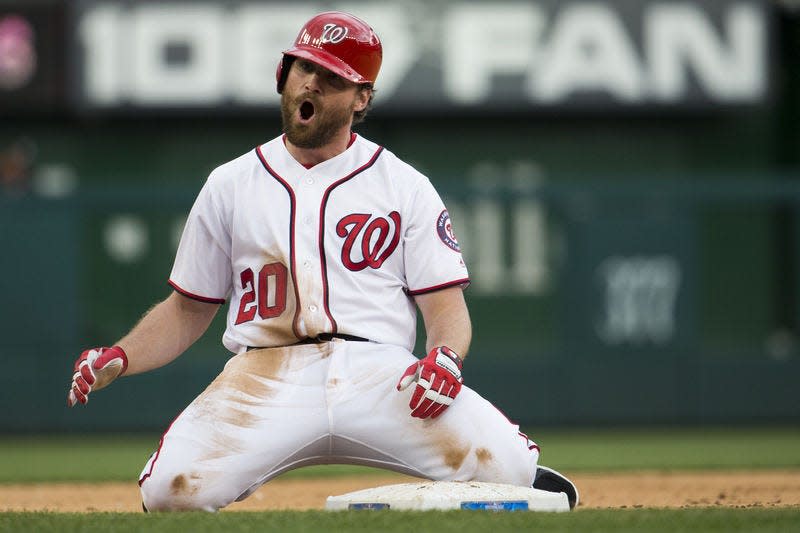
[292, 202]
[322, 206]
[188, 294]
[439, 287]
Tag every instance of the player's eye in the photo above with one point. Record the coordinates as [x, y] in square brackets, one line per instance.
[306, 66]
[335, 81]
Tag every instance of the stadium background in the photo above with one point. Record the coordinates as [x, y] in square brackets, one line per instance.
[632, 233]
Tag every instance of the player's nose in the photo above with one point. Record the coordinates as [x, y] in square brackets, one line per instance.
[312, 82]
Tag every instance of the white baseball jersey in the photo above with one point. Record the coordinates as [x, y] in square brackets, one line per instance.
[337, 248]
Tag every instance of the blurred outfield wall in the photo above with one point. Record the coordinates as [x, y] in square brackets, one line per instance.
[643, 302]
[622, 176]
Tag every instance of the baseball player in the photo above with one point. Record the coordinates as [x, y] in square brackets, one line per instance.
[325, 244]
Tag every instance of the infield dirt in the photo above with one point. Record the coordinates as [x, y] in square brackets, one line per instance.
[778, 488]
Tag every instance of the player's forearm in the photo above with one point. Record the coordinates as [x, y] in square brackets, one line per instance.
[447, 321]
[165, 332]
[455, 332]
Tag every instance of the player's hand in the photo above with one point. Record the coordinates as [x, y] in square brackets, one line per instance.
[438, 379]
[95, 369]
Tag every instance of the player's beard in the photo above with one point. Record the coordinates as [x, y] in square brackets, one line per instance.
[327, 122]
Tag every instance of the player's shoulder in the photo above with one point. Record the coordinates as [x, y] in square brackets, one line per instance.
[240, 166]
[236, 165]
[394, 167]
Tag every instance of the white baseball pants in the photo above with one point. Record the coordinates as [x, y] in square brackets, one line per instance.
[276, 409]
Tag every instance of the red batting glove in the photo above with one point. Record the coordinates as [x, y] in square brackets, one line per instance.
[438, 379]
[95, 369]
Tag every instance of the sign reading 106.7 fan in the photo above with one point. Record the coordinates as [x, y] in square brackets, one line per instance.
[509, 55]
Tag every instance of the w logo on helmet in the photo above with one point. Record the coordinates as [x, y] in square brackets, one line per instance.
[340, 42]
[333, 33]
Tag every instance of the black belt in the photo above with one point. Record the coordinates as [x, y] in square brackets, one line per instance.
[322, 337]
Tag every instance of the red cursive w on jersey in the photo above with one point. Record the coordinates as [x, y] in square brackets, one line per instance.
[372, 247]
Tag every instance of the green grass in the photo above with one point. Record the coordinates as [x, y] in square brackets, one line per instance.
[671, 449]
[121, 457]
[723, 520]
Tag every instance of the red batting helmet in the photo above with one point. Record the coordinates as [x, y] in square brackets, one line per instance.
[339, 42]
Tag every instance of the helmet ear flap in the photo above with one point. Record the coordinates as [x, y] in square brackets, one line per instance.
[283, 71]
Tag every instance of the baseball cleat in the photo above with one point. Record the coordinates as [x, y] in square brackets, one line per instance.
[551, 481]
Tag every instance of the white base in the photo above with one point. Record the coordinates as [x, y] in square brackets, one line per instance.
[445, 495]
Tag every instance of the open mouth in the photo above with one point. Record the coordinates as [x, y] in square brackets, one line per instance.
[306, 110]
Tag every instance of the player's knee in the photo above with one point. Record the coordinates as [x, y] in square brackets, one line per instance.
[177, 492]
[513, 464]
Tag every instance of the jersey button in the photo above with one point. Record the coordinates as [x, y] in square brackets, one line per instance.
[312, 308]
[307, 264]
[307, 220]
[310, 180]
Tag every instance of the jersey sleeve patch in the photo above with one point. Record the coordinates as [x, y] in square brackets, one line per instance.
[445, 230]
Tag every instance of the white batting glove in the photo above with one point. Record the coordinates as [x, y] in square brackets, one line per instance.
[95, 369]
[438, 379]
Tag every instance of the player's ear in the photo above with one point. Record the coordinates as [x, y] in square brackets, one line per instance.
[362, 98]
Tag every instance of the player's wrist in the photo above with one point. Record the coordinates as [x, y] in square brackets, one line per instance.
[120, 352]
[449, 352]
